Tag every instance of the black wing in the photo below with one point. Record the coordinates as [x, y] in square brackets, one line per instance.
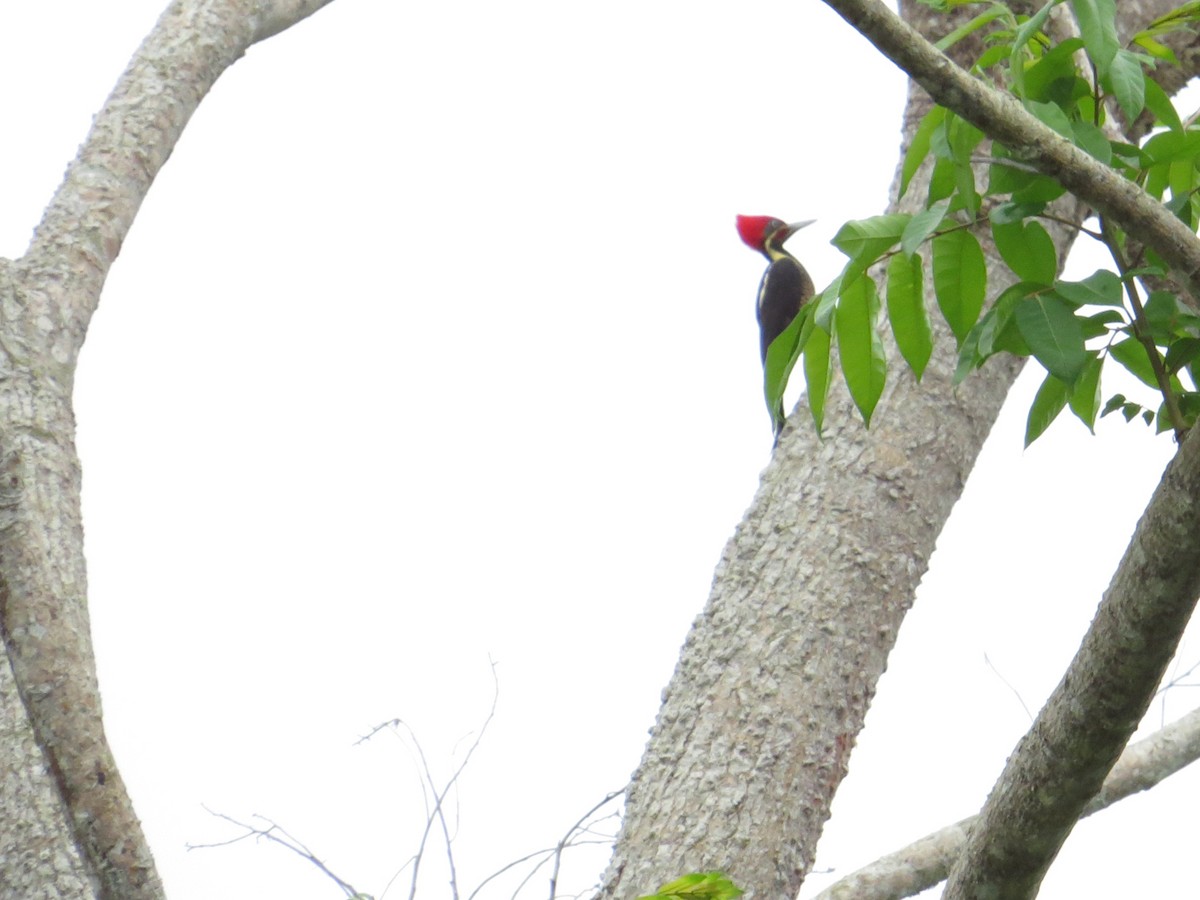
[784, 289]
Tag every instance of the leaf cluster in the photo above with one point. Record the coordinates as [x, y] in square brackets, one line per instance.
[1072, 328]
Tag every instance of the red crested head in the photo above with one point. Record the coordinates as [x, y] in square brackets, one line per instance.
[754, 230]
[766, 234]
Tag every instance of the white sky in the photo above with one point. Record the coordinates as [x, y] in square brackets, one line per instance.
[434, 341]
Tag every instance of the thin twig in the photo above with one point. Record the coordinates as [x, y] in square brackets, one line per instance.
[288, 841]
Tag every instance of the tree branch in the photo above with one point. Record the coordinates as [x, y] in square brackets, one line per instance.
[1002, 118]
[924, 863]
[1062, 762]
[80, 235]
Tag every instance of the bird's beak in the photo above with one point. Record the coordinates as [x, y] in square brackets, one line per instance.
[788, 230]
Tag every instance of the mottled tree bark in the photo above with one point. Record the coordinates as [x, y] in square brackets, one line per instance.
[66, 823]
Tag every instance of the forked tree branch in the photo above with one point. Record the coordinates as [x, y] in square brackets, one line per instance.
[46, 301]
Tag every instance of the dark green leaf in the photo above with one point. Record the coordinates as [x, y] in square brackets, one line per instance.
[968, 351]
[1189, 407]
[1115, 402]
[959, 279]
[1182, 352]
[906, 311]
[1053, 335]
[1056, 67]
[859, 346]
[989, 334]
[1050, 400]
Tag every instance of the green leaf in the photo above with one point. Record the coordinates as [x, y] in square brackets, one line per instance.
[1101, 288]
[970, 27]
[959, 279]
[941, 180]
[1115, 402]
[994, 332]
[1128, 83]
[859, 346]
[1052, 116]
[1182, 352]
[1167, 319]
[1155, 49]
[1025, 33]
[921, 226]
[1085, 398]
[1009, 212]
[865, 240]
[1028, 250]
[1132, 355]
[906, 311]
[781, 359]
[1169, 146]
[698, 886]
[1098, 27]
[919, 148]
[1092, 140]
[1043, 80]
[1160, 104]
[1050, 400]
[1053, 335]
[1096, 325]
[816, 374]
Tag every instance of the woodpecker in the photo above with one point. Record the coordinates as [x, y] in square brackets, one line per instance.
[785, 286]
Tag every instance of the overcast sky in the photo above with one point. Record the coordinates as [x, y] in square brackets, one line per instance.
[434, 344]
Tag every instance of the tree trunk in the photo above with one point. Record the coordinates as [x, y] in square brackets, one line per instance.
[776, 676]
[770, 693]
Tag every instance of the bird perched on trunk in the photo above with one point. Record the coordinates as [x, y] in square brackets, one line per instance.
[785, 286]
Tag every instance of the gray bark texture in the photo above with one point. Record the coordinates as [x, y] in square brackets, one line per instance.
[67, 827]
[775, 678]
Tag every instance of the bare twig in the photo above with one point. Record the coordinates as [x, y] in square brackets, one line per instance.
[273, 833]
[573, 830]
[439, 796]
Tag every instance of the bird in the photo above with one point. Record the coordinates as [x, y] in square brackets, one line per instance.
[786, 285]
